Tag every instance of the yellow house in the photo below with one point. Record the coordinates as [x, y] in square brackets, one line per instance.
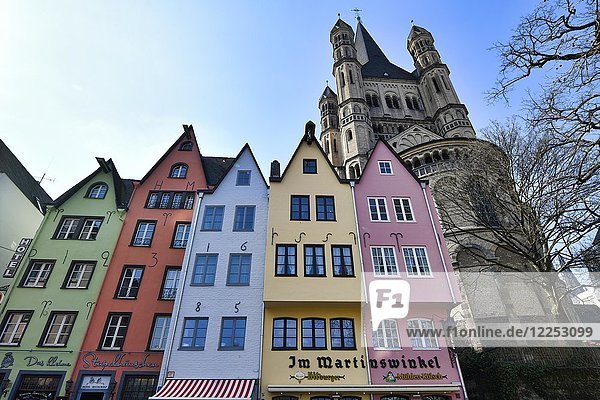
[312, 343]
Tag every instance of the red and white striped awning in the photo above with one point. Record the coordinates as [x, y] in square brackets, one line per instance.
[213, 389]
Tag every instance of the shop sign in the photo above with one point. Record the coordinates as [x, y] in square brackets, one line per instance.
[409, 376]
[120, 360]
[100, 382]
[13, 264]
[53, 361]
[316, 376]
[327, 362]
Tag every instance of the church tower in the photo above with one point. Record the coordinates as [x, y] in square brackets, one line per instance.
[330, 132]
[375, 99]
[450, 116]
[355, 134]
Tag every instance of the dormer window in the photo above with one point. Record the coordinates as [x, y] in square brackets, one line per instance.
[97, 191]
[186, 146]
[178, 171]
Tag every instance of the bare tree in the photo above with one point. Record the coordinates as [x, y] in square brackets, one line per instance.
[558, 44]
[523, 196]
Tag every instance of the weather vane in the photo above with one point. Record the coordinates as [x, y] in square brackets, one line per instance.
[357, 12]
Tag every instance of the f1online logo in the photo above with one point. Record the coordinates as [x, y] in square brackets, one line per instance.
[388, 300]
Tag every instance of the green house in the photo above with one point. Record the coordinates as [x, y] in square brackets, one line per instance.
[57, 283]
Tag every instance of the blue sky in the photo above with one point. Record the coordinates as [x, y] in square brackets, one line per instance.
[113, 79]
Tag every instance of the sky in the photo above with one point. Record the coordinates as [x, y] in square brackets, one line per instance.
[113, 79]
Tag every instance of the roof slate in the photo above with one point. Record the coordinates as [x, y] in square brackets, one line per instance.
[374, 62]
[215, 168]
[18, 174]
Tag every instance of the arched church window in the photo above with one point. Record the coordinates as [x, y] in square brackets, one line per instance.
[444, 82]
[375, 101]
[436, 156]
[351, 75]
[343, 80]
[368, 100]
[388, 101]
[338, 54]
[351, 173]
[416, 162]
[428, 92]
[459, 114]
[395, 103]
[349, 134]
[435, 84]
[427, 158]
[416, 103]
[426, 60]
[357, 170]
[445, 155]
[335, 145]
[327, 146]
[409, 102]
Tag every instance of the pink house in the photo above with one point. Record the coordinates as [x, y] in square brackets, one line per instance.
[401, 240]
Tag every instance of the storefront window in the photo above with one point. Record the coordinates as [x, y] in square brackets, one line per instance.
[138, 387]
[38, 387]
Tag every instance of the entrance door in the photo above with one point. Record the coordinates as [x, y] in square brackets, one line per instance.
[91, 396]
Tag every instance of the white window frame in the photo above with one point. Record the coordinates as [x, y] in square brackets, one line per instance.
[90, 229]
[78, 271]
[43, 274]
[388, 331]
[175, 283]
[144, 234]
[162, 330]
[422, 342]
[413, 251]
[17, 326]
[401, 203]
[378, 203]
[118, 324]
[182, 234]
[62, 334]
[130, 280]
[386, 266]
[98, 191]
[385, 163]
[71, 224]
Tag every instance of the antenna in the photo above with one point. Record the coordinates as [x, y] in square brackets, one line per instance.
[41, 179]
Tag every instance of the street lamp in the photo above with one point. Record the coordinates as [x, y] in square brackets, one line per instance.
[68, 388]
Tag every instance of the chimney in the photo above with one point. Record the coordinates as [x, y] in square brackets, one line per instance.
[188, 130]
[275, 169]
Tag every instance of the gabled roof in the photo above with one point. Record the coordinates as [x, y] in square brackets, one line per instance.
[188, 134]
[310, 140]
[18, 174]
[374, 62]
[123, 187]
[381, 142]
[220, 173]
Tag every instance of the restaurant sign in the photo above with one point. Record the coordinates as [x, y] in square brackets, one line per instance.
[119, 360]
[98, 382]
